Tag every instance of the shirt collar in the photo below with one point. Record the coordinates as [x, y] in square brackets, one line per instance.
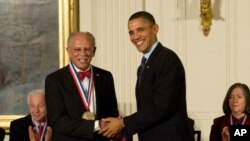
[78, 70]
[36, 123]
[151, 49]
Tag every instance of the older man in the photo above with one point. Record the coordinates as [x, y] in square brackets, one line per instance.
[80, 94]
[33, 127]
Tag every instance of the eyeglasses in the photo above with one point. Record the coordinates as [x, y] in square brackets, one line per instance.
[86, 50]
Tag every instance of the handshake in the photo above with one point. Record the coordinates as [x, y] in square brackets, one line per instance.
[111, 127]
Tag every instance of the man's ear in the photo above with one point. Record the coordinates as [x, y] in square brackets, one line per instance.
[156, 28]
[67, 49]
[94, 50]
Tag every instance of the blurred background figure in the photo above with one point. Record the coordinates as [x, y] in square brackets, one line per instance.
[34, 126]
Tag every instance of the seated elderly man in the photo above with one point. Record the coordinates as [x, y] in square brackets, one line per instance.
[34, 126]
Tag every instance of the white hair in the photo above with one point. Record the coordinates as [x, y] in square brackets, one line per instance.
[35, 92]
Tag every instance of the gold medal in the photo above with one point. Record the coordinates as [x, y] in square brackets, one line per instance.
[88, 115]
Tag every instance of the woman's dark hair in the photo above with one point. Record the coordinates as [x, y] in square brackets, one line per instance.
[246, 92]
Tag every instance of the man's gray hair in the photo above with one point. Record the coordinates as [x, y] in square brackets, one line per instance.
[91, 36]
[35, 92]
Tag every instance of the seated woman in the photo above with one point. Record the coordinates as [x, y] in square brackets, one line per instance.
[236, 107]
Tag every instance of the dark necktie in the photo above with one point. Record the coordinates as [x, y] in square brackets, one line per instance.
[82, 75]
[142, 66]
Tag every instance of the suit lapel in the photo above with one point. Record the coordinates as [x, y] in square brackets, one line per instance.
[153, 56]
[148, 65]
[97, 76]
[70, 81]
[29, 120]
[70, 89]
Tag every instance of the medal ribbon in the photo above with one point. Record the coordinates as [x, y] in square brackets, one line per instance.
[44, 132]
[243, 122]
[85, 95]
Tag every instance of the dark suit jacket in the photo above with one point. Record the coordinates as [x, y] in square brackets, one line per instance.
[19, 129]
[65, 107]
[161, 100]
[2, 134]
[219, 123]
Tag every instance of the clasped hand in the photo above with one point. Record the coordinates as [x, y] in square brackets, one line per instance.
[110, 127]
[225, 134]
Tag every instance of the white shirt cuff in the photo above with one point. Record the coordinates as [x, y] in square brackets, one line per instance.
[96, 127]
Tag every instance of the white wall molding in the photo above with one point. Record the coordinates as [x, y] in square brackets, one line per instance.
[231, 41]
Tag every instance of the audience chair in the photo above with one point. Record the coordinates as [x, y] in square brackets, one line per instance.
[197, 135]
